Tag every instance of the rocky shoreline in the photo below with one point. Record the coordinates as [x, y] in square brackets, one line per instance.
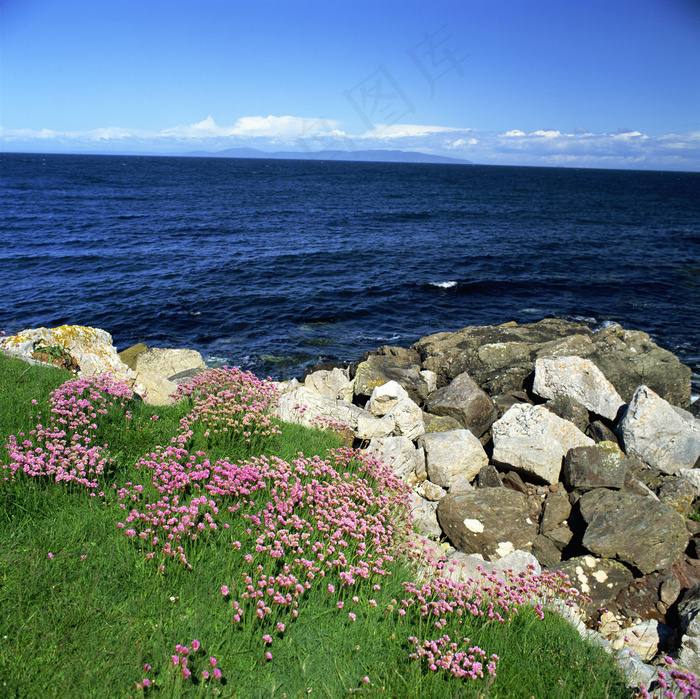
[545, 444]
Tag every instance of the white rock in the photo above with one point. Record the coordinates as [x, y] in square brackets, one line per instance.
[398, 452]
[332, 384]
[385, 397]
[451, 456]
[430, 378]
[658, 434]
[430, 491]
[408, 418]
[372, 427]
[167, 362]
[533, 440]
[579, 379]
[305, 407]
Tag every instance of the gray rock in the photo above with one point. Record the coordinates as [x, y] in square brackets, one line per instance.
[647, 638]
[546, 552]
[578, 379]
[501, 358]
[492, 522]
[678, 493]
[652, 537]
[692, 475]
[661, 436]
[599, 466]
[561, 536]
[452, 455]
[430, 491]
[556, 511]
[461, 567]
[488, 477]
[377, 370]
[532, 440]
[569, 409]
[464, 401]
[437, 423]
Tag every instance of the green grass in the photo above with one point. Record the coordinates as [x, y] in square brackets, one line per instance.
[85, 622]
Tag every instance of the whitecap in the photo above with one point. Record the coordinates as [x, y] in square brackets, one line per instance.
[444, 285]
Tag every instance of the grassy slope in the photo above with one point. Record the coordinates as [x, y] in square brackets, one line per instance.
[86, 622]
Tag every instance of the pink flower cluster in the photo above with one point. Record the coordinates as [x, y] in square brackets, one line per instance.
[443, 654]
[230, 404]
[63, 449]
[668, 682]
[181, 659]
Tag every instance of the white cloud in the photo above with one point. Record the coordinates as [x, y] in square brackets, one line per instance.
[513, 147]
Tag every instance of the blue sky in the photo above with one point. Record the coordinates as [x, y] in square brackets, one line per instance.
[592, 83]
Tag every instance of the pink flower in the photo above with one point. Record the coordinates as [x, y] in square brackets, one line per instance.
[212, 661]
[175, 659]
[224, 590]
[146, 682]
[216, 673]
[147, 667]
[352, 616]
[195, 645]
[340, 605]
[268, 655]
[50, 555]
[186, 672]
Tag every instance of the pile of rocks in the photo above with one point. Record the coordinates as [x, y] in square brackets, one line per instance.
[545, 443]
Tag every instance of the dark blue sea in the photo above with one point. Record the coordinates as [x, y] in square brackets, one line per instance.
[276, 266]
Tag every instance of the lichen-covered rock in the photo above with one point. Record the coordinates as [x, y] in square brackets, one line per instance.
[452, 455]
[532, 440]
[637, 530]
[91, 347]
[599, 466]
[659, 434]
[678, 493]
[579, 379]
[377, 370]
[437, 423]
[598, 578]
[464, 401]
[492, 522]
[556, 511]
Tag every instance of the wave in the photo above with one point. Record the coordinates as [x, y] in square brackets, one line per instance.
[444, 285]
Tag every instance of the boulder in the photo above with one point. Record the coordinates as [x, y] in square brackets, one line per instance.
[462, 567]
[377, 370]
[488, 477]
[532, 440]
[599, 466]
[167, 362]
[648, 638]
[546, 552]
[430, 491]
[408, 419]
[637, 530]
[400, 453]
[598, 578]
[452, 455]
[664, 437]
[155, 389]
[556, 511]
[641, 598]
[678, 493]
[129, 354]
[492, 522]
[464, 401]
[302, 406]
[332, 383]
[578, 379]
[385, 397]
[423, 515]
[436, 423]
[373, 427]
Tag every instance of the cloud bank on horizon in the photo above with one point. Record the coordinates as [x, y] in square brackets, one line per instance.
[587, 84]
[543, 147]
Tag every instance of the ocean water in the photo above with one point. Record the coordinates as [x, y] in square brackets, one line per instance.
[276, 266]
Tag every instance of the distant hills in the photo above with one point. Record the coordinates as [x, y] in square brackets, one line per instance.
[372, 156]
